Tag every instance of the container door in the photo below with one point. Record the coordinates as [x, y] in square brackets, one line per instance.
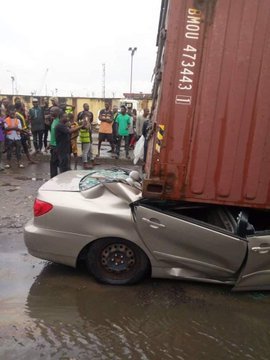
[256, 272]
[192, 249]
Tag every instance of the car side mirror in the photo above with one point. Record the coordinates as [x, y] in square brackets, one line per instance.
[244, 228]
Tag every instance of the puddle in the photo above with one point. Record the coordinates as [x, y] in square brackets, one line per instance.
[24, 178]
[6, 184]
[14, 188]
[27, 178]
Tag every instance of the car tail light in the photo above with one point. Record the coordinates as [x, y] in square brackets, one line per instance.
[41, 207]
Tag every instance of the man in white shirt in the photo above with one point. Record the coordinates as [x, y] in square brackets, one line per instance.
[140, 121]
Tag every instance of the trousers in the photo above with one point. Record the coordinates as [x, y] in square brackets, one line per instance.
[13, 143]
[118, 145]
[38, 139]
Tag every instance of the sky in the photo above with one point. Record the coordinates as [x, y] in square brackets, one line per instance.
[59, 48]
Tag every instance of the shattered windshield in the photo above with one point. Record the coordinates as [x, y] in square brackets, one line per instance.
[96, 177]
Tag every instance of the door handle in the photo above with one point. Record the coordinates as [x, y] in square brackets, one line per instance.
[153, 223]
[261, 249]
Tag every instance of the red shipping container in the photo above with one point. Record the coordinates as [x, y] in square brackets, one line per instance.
[211, 119]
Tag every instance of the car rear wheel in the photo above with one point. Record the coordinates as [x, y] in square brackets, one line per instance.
[117, 262]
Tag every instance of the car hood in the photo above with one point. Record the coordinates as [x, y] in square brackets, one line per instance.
[67, 181]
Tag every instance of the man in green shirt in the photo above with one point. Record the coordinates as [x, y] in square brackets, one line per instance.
[123, 122]
[54, 163]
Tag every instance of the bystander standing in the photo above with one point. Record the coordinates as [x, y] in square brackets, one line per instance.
[131, 131]
[54, 163]
[140, 121]
[36, 117]
[74, 138]
[85, 137]
[62, 136]
[47, 122]
[5, 105]
[25, 132]
[87, 154]
[105, 128]
[123, 121]
[115, 126]
[13, 138]
[145, 132]
[2, 140]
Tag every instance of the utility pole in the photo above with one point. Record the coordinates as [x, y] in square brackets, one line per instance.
[43, 82]
[103, 81]
[131, 66]
[12, 83]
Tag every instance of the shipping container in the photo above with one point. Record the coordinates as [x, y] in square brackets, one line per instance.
[210, 138]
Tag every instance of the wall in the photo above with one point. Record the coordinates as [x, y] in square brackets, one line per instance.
[95, 104]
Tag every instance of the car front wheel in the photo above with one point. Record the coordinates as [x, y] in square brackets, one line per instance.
[117, 262]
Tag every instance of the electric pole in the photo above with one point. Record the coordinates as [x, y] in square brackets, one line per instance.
[103, 81]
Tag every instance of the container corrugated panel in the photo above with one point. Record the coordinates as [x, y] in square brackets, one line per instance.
[212, 114]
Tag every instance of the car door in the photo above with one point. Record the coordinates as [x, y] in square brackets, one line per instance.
[256, 271]
[194, 249]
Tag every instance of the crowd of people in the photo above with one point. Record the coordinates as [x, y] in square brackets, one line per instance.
[18, 126]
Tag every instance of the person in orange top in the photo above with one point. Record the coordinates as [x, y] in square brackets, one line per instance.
[13, 129]
[105, 129]
[25, 132]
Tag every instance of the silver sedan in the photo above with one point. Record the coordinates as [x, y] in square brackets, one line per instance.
[100, 218]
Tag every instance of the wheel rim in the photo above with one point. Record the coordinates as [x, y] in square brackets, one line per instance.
[118, 258]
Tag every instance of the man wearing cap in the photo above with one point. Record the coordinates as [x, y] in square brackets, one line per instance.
[36, 117]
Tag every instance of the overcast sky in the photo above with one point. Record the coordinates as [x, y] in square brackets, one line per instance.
[62, 45]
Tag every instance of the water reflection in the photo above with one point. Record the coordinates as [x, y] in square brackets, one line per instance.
[74, 317]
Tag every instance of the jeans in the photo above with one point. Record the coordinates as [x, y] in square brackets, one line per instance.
[24, 142]
[38, 139]
[13, 143]
[86, 152]
[118, 145]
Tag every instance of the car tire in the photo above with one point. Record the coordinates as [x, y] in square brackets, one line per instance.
[117, 262]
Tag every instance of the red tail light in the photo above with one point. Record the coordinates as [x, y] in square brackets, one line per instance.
[41, 207]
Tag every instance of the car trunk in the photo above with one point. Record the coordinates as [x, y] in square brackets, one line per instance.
[67, 181]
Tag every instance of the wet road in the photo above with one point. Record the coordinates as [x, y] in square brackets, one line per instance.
[50, 311]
